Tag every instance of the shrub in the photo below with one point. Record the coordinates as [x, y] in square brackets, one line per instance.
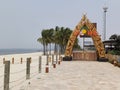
[114, 52]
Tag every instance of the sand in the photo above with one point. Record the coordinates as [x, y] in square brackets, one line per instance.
[69, 75]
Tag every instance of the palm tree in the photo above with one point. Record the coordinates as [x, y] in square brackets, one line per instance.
[64, 35]
[44, 39]
[41, 40]
[76, 45]
[113, 37]
[50, 37]
[59, 36]
[55, 39]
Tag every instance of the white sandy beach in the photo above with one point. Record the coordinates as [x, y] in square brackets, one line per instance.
[72, 75]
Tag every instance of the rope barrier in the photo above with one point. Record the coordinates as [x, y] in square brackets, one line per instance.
[21, 79]
[18, 71]
[18, 84]
[26, 87]
[34, 74]
[34, 66]
[18, 79]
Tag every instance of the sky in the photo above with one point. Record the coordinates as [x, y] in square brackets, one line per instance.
[21, 21]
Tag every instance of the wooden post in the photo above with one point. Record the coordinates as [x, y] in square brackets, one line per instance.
[6, 75]
[40, 64]
[59, 55]
[30, 60]
[28, 68]
[47, 63]
[59, 59]
[3, 60]
[21, 61]
[56, 58]
[13, 60]
[52, 59]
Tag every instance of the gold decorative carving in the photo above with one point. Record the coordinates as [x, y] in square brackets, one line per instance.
[96, 38]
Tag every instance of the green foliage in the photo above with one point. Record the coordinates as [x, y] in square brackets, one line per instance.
[114, 37]
[116, 49]
[114, 52]
[59, 36]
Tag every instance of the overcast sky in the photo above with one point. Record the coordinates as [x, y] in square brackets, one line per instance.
[21, 21]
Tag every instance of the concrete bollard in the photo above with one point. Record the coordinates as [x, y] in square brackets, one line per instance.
[21, 60]
[47, 69]
[59, 62]
[3, 60]
[54, 65]
[13, 60]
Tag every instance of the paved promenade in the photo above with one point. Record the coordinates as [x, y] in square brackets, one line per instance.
[78, 75]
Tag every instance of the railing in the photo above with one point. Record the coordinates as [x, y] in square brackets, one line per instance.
[16, 72]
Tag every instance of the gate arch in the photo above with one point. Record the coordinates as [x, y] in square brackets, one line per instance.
[95, 37]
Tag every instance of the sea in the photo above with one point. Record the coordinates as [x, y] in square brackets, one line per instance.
[18, 51]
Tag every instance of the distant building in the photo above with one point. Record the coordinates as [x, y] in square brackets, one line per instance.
[109, 44]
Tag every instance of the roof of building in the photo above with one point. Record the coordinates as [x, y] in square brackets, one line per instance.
[110, 42]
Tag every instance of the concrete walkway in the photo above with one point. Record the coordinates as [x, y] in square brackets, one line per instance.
[78, 75]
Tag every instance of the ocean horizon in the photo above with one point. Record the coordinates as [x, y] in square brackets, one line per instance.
[18, 51]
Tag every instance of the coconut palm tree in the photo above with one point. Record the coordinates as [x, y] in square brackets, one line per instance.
[59, 36]
[64, 35]
[50, 38]
[55, 38]
[45, 39]
[41, 40]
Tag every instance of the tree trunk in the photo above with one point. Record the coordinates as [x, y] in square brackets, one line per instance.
[44, 49]
[50, 49]
[55, 49]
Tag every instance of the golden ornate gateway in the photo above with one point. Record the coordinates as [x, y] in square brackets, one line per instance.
[94, 34]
